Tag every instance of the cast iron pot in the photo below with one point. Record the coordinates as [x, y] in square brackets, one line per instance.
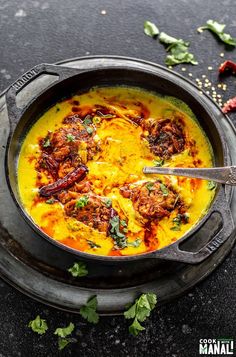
[159, 80]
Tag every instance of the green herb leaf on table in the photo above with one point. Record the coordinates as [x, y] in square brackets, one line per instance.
[78, 270]
[218, 29]
[119, 237]
[88, 311]
[211, 185]
[38, 325]
[164, 189]
[70, 138]
[64, 331]
[150, 29]
[139, 311]
[82, 201]
[62, 343]
[179, 50]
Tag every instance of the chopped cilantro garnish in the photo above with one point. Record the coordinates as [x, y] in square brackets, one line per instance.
[164, 189]
[149, 186]
[87, 120]
[78, 270]
[150, 29]
[107, 202]
[139, 311]
[82, 201]
[136, 243]
[158, 162]
[211, 185]
[38, 325]
[89, 312]
[218, 29]
[119, 238]
[89, 130]
[46, 143]
[50, 201]
[70, 137]
[92, 244]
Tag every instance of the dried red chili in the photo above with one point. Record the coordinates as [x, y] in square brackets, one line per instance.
[229, 106]
[227, 66]
[76, 175]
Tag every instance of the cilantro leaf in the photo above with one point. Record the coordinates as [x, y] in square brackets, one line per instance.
[107, 202]
[46, 143]
[136, 243]
[218, 29]
[82, 201]
[149, 186]
[92, 244]
[89, 130]
[62, 343]
[87, 120]
[164, 189]
[50, 201]
[78, 270]
[211, 185]
[150, 29]
[158, 162]
[139, 311]
[135, 328]
[38, 325]
[178, 49]
[70, 137]
[89, 312]
[114, 230]
[64, 331]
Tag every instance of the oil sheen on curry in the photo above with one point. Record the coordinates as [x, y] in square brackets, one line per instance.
[80, 171]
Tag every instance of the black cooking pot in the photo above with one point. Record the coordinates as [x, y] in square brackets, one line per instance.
[160, 80]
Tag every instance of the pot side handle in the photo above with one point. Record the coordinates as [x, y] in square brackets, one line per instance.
[14, 112]
[173, 252]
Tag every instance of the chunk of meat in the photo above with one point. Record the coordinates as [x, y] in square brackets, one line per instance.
[93, 213]
[165, 137]
[152, 200]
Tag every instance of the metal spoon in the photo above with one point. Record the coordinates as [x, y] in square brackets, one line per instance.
[226, 175]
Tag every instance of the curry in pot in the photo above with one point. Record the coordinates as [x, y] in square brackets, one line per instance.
[80, 171]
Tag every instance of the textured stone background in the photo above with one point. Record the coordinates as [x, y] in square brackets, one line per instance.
[47, 31]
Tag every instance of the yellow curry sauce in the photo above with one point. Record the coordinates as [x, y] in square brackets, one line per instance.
[120, 130]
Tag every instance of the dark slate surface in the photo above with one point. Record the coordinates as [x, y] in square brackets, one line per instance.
[47, 31]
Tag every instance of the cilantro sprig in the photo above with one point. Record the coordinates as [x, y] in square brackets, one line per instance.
[218, 29]
[78, 270]
[38, 325]
[150, 29]
[139, 312]
[211, 185]
[178, 49]
[88, 311]
[114, 230]
[62, 333]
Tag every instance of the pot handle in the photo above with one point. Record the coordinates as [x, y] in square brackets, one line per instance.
[14, 112]
[173, 252]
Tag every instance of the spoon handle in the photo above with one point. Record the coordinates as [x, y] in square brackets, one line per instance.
[226, 175]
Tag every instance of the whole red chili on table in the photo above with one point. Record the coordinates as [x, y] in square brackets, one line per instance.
[227, 66]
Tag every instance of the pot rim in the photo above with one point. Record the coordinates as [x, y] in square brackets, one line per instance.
[118, 259]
